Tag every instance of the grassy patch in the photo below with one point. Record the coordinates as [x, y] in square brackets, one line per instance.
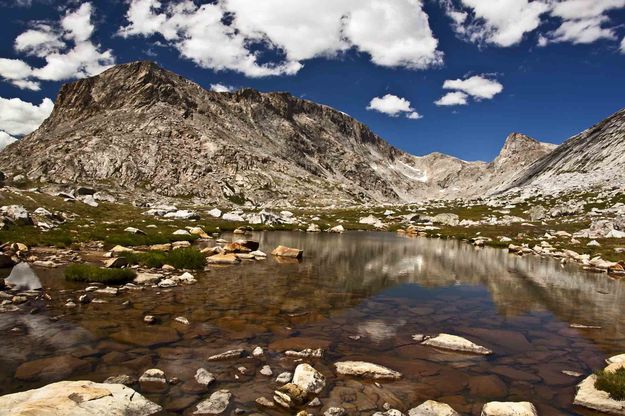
[130, 240]
[183, 258]
[612, 382]
[92, 273]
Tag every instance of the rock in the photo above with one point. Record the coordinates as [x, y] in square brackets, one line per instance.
[593, 243]
[149, 319]
[166, 283]
[266, 371]
[446, 219]
[257, 352]
[133, 230]
[185, 278]
[22, 277]
[283, 251]
[337, 229]
[215, 213]
[147, 278]
[19, 247]
[182, 320]
[456, 343]
[289, 395]
[314, 402]
[216, 404]
[433, 408]
[17, 214]
[180, 244]
[389, 412]
[89, 200]
[509, 409]
[78, 398]
[616, 359]
[335, 411]
[124, 379]
[160, 247]
[487, 386]
[116, 263]
[284, 377]
[366, 370]
[228, 355]
[181, 232]
[235, 248]
[113, 291]
[51, 368]
[204, 377]
[590, 397]
[264, 402]
[305, 353]
[232, 216]
[371, 220]
[313, 228]
[153, 381]
[537, 213]
[121, 249]
[183, 214]
[308, 379]
[258, 253]
[229, 258]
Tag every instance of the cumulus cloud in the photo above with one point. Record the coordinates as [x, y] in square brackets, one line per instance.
[504, 23]
[583, 21]
[452, 98]
[6, 139]
[19, 117]
[229, 34]
[478, 87]
[221, 88]
[64, 45]
[501, 23]
[393, 106]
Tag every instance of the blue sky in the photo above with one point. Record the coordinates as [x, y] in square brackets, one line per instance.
[547, 68]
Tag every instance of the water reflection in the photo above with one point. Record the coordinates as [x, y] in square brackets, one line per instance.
[22, 277]
[359, 296]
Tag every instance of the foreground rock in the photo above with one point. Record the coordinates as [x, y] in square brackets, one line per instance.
[78, 398]
[591, 397]
[509, 409]
[456, 343]
[282, 251]
[216, 404]
[308, 379]
[433, 408]
[366, 370]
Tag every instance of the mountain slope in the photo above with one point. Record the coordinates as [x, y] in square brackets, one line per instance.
[139, 127]
[593, 158]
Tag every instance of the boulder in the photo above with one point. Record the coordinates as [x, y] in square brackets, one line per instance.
[147, 278]
[537, 213]
[18, 214]
[215, 213]
[366, 370]
[509, 409]
[446, 218]
[153, 381]
[116, 263]
[592, 398]
[308, 379]
[228, 355]
[337, 229]
[133, 230]
[203, 377]
[290, 395]
[22, 277]
[433, 408]
[216, 404]
[232, 216]
[183, 214]
[282, 251]
[313, 228]
[78, 398]
[456, 343]
[229, 258]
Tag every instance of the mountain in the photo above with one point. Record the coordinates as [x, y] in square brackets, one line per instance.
[142, 129]
[593, 158]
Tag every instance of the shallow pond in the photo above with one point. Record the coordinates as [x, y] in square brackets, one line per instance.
[359, 295]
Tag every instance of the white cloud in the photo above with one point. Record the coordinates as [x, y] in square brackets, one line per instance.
[221, 88]
[452, 98]
[583, 21]
[476, 86]
[19, 117]
[6, 139]
[225, 34]
[622, 48]
[62, 60]
[393, 106]
[498, 22]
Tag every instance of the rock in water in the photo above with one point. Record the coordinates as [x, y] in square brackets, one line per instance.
[366, 370]
[308, 379]
[78, 398]
[433, 408]
[456, 343]
[216, 404]
[282, 251]
[22, 277]
[509, 409]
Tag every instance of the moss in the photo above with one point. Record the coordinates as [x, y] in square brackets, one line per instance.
[92, 273]
[184, 258]
[612, 382]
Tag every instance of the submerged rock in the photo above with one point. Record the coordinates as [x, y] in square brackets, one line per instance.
[509, 409]
[216, 404]
[433, 408]
[309, 379]
[228, 355]
[456, 343]
[366, 370]
[78, 398]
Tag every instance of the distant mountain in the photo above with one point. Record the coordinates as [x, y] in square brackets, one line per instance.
[137, 127]
[593, 158]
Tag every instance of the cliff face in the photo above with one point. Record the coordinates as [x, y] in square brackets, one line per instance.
[139, 127]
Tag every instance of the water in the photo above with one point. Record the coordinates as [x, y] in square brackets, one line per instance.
[357, 295]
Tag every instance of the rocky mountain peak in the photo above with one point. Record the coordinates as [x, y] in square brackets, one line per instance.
[520, 150]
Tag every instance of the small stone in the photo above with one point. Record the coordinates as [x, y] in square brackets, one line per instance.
[216, 404]
[121, 379]
[153, 381]
[70, 305]
[266, 371]
[366, 370]
[182, 320]
[204, 377]
[315, 402]
[265, 402]
[308, 379]
[228, 355]
[289, 395]
[257, 352]
[456, 343]
[433, 408]
[84, 299]
[149, 319]
[509, 409]
[334, 411]
[284, 377]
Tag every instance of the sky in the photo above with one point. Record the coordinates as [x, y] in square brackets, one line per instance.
[452, 76]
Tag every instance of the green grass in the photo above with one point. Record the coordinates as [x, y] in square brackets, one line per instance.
[183, 258]
[93, 273]
[612, 382]
[131, 240]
